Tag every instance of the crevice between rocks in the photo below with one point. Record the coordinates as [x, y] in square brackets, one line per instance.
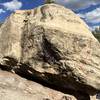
[24, 71]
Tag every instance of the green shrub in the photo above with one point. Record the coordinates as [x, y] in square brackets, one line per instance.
[49, 1]
[96, 33]
[1, 24]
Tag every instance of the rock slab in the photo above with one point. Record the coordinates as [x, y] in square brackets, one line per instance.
[13, 87]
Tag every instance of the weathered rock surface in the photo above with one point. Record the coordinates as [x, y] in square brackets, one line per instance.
[13, 87]
[53, 44]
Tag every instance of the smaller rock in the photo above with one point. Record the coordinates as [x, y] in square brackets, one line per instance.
[13, 87]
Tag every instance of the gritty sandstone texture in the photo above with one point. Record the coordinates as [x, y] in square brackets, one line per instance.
[54, 45]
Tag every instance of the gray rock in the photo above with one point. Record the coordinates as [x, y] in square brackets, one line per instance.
[53, 44]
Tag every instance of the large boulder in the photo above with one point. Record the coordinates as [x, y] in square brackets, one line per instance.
[53, 44]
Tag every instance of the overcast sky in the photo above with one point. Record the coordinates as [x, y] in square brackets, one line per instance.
[89, 10]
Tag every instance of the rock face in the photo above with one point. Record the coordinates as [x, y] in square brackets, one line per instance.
[53, 44]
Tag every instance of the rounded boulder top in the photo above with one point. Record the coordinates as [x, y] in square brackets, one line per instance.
[57, 17]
